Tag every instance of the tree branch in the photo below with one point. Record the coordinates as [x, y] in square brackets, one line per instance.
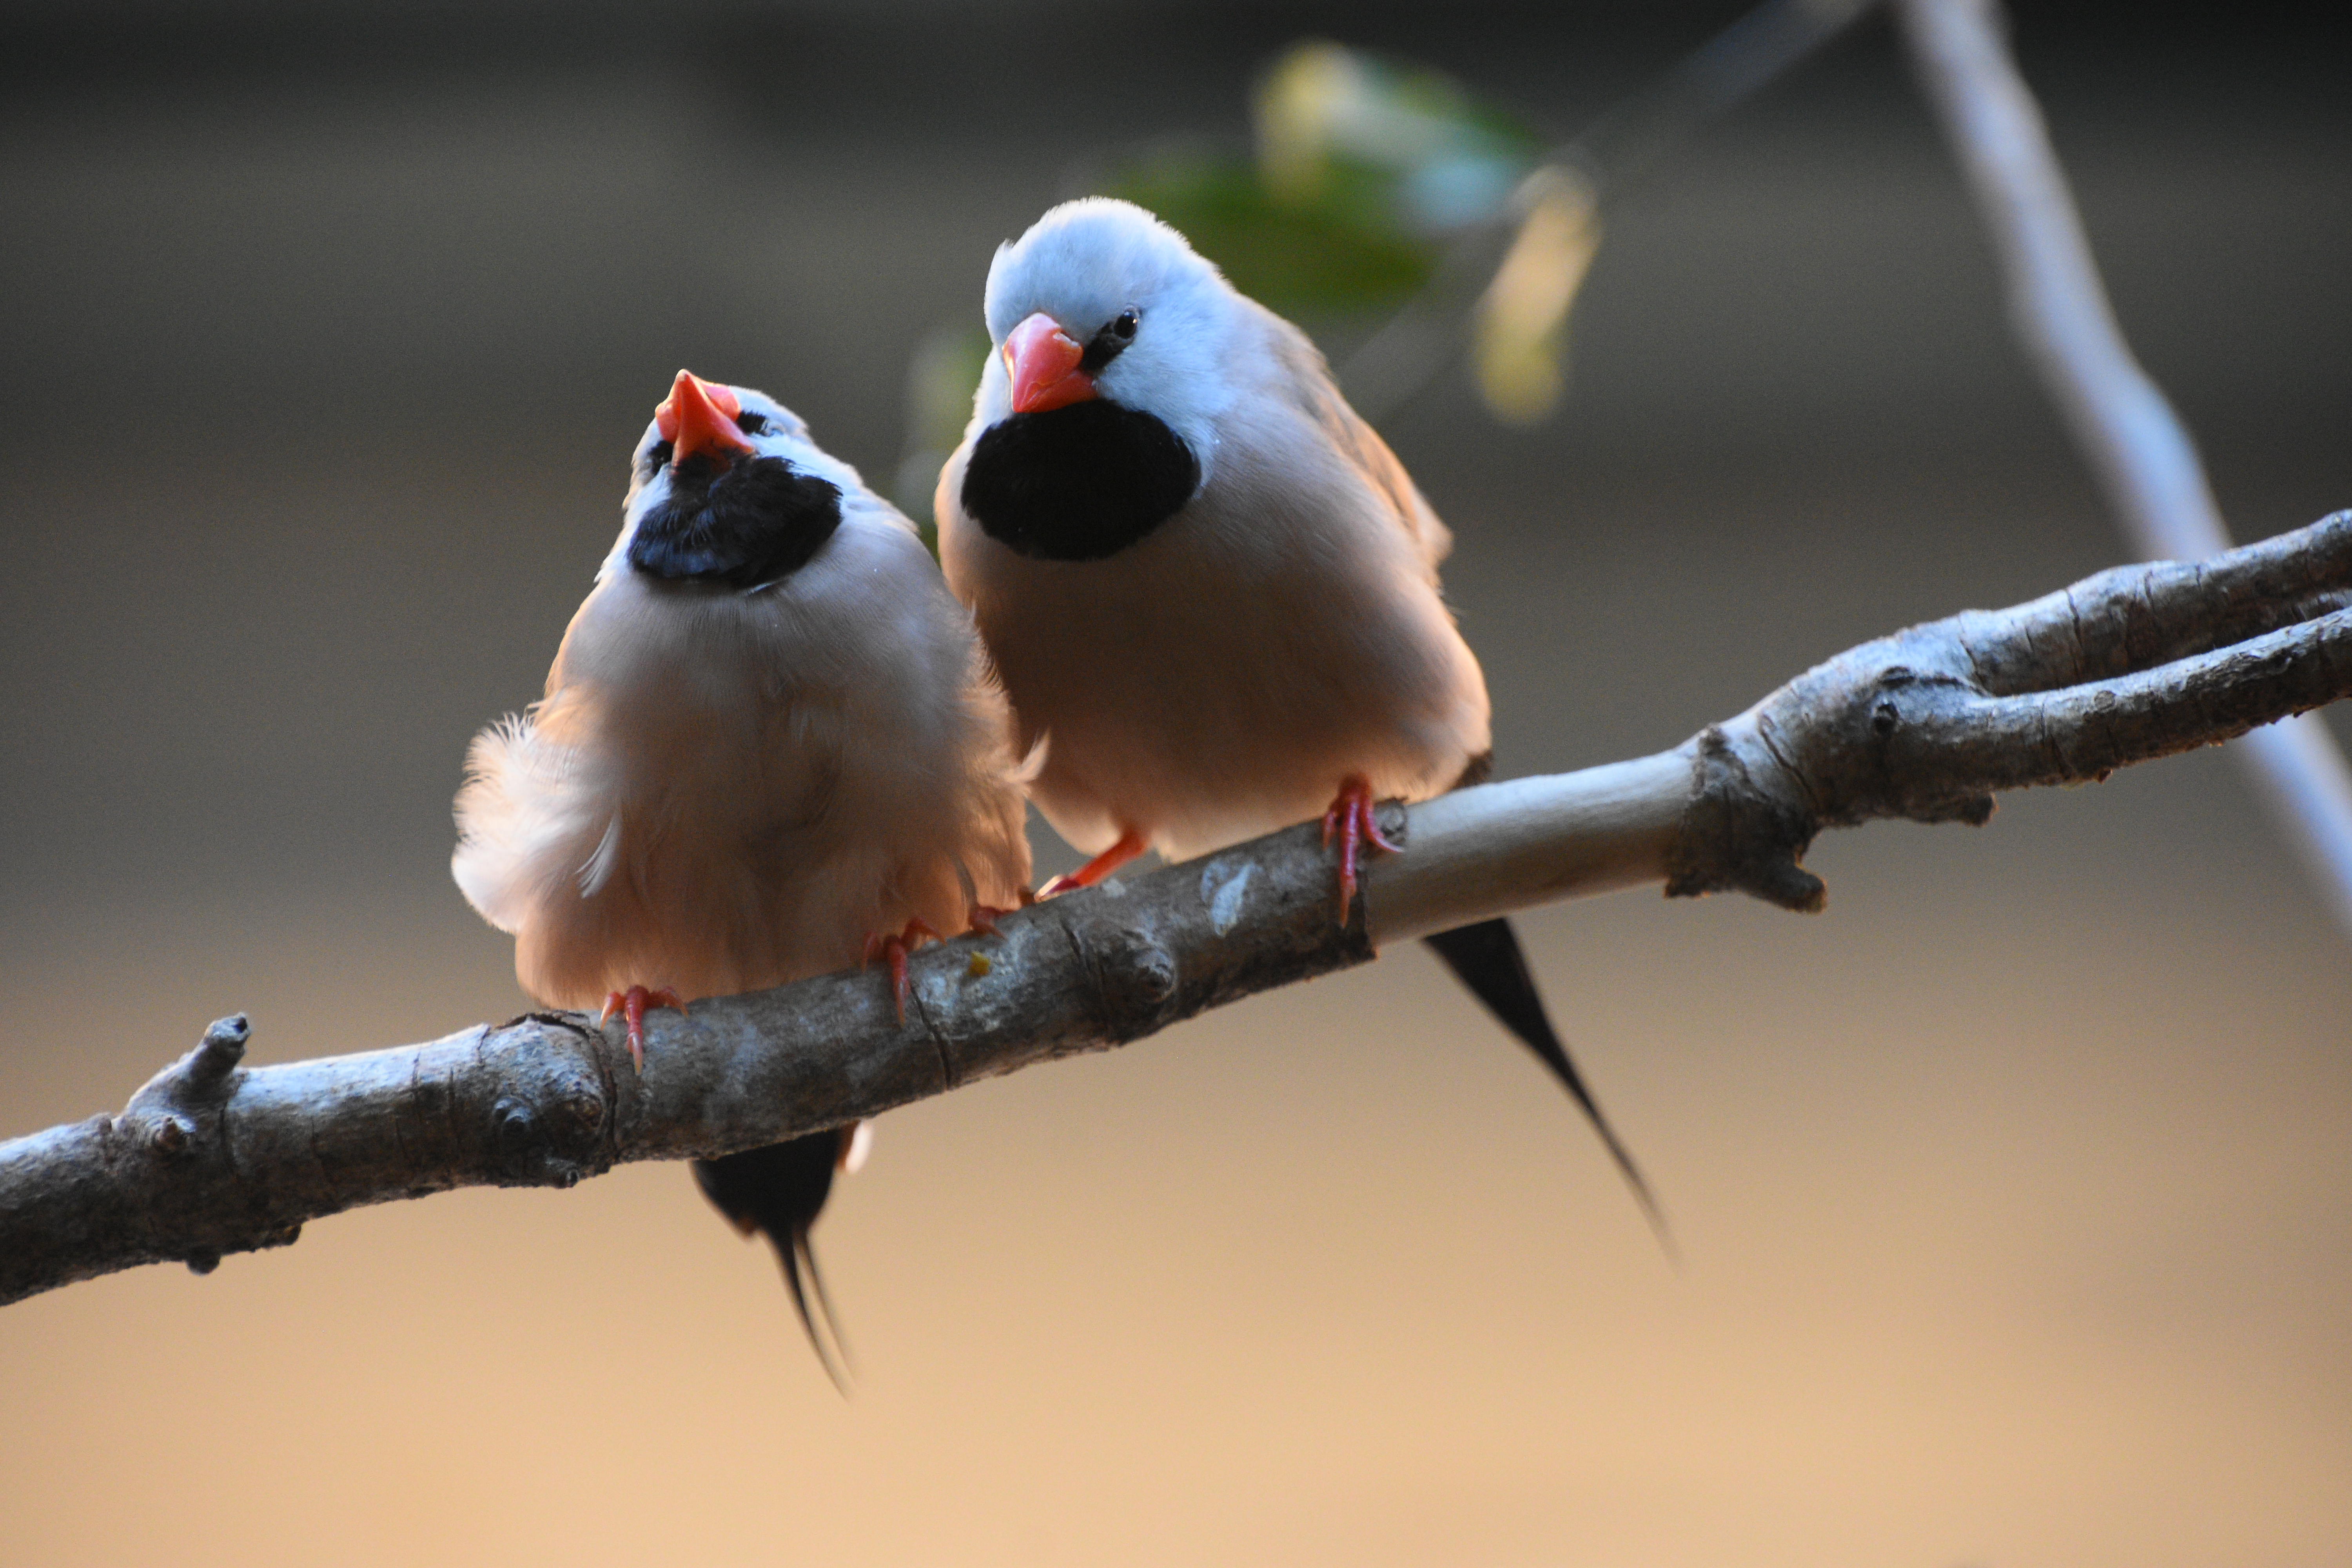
[212, 1157]
[2125, 428]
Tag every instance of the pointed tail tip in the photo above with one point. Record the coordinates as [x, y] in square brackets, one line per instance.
[1652, 1210]
[793, 1252]
[778, 1191]
[1486, 958]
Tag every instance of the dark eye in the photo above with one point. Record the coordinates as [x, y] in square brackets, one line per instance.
[656, 456]
[751, 424]
[1111, 341]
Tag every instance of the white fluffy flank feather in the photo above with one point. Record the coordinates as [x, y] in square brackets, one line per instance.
[529, 825]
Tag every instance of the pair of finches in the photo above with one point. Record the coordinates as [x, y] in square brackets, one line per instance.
[777, 741]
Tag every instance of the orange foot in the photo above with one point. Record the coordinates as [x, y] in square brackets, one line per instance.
[632, 1005]
[1352, 819]
[983, 917]
[1130, 844]
[896, 948]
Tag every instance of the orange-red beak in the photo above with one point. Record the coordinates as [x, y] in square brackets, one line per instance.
[699, 416]
[1044, 363]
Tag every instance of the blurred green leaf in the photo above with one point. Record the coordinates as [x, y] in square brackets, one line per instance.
[1437, 159]
[1518, 340]
[1363, 167]
[1330, 253]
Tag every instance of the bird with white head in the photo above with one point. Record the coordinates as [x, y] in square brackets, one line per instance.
[1207, 579]
[769, 744]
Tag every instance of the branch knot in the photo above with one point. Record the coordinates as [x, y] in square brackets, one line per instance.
[1744, 829]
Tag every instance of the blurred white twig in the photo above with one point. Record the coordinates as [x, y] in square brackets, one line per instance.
[2134, 441]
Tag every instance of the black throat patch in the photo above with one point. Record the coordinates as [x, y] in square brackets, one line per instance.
[751, 522]
[1078, 483]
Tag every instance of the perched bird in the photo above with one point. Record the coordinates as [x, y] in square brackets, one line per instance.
[770, 743]
[1207, 579]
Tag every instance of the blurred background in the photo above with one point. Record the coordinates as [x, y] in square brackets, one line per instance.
[2013, 1190]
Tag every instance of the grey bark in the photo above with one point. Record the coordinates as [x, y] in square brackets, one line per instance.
[211, 1156]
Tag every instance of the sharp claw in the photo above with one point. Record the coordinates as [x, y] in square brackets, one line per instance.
[1130, 845]
[1349, 841]
[895, 948]
[1355, 821]
[632, 1005]
[634, 1010]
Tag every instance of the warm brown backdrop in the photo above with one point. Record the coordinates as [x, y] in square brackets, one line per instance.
[2013, 1190]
